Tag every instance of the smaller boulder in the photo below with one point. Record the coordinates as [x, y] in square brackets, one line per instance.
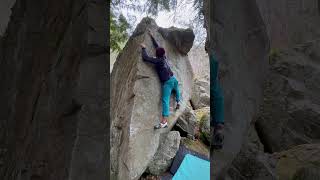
[200, 93]
[187, 122]
[165, 154]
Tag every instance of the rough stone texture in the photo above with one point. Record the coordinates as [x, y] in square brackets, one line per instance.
[167, 150]
[241, 34]
[187, 122]
[300, 158]
[291, 107]
[200, 62]
[307, 173]
[241, 47]
[136, 102]
[181, 39]
[200, 93]
[53, 122]
[252, 162]
[290, 22]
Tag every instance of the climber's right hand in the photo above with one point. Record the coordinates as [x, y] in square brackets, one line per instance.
[150, 33]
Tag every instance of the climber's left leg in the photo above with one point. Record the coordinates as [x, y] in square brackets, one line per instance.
[166, 93]
[217, 106]
[167, 87]
[177, 90]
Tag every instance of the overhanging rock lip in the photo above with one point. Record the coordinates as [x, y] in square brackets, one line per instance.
[183, 44]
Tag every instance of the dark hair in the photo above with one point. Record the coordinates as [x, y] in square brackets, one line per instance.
[160, 52]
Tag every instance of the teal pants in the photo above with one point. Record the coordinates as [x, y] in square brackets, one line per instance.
[167, 87]
[216, 95]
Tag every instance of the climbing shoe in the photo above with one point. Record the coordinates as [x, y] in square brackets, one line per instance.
[178, 106]
[161, 125]
[218, 137]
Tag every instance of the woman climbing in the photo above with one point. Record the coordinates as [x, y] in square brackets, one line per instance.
[168, 80]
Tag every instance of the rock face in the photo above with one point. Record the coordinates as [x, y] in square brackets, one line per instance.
[136, 101]
[284, 107]
[200, 62]
[166, 152]
[299, 161]
[251, 162]
[187, 122]
[200, 93]
[291, 106]
[53, 122]
[290, 22]
[241, 48]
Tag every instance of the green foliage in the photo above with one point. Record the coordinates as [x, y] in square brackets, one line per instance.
[154, 6]
[120, 26]
[118, 31]
[204, 138]
[204, 118]
[203, 135]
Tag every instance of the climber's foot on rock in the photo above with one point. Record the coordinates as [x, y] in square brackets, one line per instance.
[218, 137]
[178, 106]
[161, 125]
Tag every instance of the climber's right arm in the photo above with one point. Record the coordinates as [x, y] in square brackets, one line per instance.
[147, 58]
[154, 42]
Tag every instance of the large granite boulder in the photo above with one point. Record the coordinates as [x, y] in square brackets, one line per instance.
[136, 102]
[200, 62]
[167, 150]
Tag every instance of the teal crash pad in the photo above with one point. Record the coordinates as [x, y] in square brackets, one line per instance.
[193, 168]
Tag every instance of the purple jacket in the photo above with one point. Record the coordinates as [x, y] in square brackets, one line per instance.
[161, 63]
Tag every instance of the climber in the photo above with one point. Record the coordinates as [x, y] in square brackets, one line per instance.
[168, 80]
[217, 104]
